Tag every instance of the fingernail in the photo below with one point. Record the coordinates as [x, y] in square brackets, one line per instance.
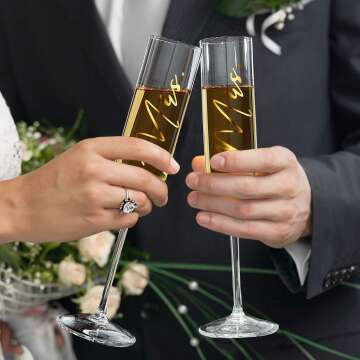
[192, 199]
[192, 180]
[203, 218]
[218, 162]
[174, 165]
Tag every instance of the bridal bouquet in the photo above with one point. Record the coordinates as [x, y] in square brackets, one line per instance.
[33, 274]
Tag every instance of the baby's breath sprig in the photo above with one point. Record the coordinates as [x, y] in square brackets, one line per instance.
[39, 145]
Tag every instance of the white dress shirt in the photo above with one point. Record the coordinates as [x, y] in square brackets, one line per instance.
[129, 24]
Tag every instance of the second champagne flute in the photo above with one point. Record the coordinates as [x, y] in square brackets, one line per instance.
[229, 123]
[156, 114]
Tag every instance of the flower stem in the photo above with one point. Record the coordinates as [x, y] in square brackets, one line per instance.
[172, 309]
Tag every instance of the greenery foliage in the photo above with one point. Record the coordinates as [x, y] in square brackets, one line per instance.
[240, 8]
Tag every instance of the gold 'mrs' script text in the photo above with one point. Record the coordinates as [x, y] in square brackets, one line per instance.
[156, 115]
[229, 120]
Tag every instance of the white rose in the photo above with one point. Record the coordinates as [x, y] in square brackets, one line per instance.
[71, 273]
[97, 247]
[135, 279]
[90, 301]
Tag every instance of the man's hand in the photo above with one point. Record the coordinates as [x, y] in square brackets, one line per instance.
[273, 207]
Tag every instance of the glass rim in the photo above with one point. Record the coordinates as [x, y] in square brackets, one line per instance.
[224, 39]
[174, 42]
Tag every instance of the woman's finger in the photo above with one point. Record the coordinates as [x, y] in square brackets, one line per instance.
[136, 178]
[114, 219]
[270, 210]
[131, 148]
[113, 196]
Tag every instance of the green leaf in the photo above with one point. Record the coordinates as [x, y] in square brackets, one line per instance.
[172, 309]
[48, 248]
[55, 252]
[340, 355]
[209, 267]
[48, 154]
[240, 8]
[207, 313]
[352, 285]
[233, 8]
[9, 256]
[71, 133]
[301, 348]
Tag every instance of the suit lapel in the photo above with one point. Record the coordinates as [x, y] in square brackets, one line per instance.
[186, 19]
[93, 38]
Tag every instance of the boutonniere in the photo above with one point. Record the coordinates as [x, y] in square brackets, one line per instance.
[279, 12]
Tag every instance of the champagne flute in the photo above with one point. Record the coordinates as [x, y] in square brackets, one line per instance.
[156, 114]
[229, 123]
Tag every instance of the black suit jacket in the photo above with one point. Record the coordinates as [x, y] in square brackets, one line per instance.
[56, 58]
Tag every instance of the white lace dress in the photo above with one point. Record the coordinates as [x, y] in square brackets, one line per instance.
[10, 150]
[36, 333]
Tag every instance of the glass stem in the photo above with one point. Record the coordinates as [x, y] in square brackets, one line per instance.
[235, 261]
[119, 244]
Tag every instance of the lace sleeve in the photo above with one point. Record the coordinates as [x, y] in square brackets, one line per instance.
[10, 149]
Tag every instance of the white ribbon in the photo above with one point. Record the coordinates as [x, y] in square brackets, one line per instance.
[250, 25]
[273, 19]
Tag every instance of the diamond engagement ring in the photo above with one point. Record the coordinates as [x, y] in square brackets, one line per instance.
[128, 206]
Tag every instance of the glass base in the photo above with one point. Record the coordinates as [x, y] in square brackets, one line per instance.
[238, 326]
[96, 329]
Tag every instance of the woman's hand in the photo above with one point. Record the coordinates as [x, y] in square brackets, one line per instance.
[274, 207]
[79, 193]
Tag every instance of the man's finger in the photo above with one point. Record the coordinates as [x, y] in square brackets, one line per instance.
[265, 160]
[278, 185]
[269, 210]
[265, 231]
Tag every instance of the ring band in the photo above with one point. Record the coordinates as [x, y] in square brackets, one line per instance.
[128, 205]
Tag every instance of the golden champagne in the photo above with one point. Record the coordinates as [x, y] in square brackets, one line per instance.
[229, 119]
[156, 115]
